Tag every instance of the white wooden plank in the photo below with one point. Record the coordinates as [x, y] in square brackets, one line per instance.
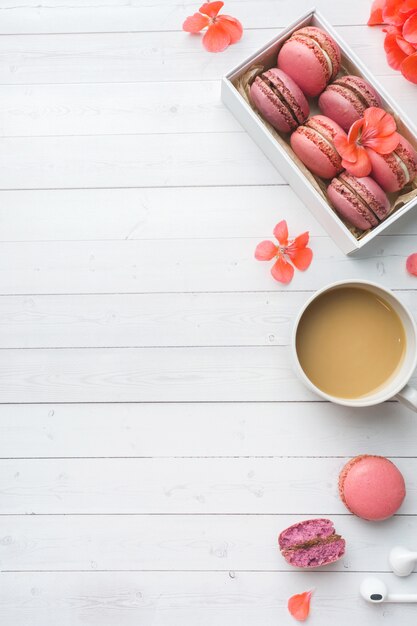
[211, 599]
[150, 213]
[147, 320]
[127, 108]
[188, 266]
[203, 430]
[133, 57]
[159, 213]
[173, 542]
[182, 485]
[63, 16]
[134, 161]
[148, 375]
[108, 109]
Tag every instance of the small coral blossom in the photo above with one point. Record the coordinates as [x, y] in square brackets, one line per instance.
[222, 30]
[377, 131]
[294, 250]
[299, 605]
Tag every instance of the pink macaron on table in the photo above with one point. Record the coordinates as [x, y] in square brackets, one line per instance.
[296, 97]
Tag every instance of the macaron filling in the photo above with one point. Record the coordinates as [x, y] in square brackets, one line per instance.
[311, 543]
[315, 555]
[322, 55]
[353, 94]
[365, 196]
[368, 219]
[315, 130]
[404, 168]
[283, 93]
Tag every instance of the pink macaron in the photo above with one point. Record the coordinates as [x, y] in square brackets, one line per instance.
[346, 99]
[393, 171]
[360, 201]
[279, 100]
[311, 543]
[311, 57]
[313, 144]
[371, 487]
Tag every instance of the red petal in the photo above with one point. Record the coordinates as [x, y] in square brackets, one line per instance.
[195, 23]
[409, 5]
[411, 264]
[299, 605]
[395, 56]
[265, 251]
[302, 240]
[409, 68]
[232, 26]
[384, 145]
[282, 271]
[406, 47]
[211, 8]
[355, 129]
[376, 13]
[410, 29]
[281, 232]
[379, 121]
[216, 38]
[345, 148]
[391, 13]
[302, 258]
[362, 165]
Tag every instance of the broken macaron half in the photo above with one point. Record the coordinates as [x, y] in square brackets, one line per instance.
[311, 543]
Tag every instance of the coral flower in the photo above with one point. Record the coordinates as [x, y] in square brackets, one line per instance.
[299, 605]
[400, 43]
[294, 250]
[376, 130]
[222, 30]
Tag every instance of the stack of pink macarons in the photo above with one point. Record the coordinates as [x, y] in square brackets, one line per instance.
[308, 67]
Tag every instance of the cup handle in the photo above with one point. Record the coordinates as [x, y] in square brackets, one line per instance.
[408, 397]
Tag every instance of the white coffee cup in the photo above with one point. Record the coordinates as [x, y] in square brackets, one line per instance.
[397, 385]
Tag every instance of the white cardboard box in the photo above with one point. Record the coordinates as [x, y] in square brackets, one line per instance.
[315, 202]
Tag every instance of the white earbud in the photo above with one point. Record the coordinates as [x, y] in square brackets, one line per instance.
[375, 591]
[402, 561]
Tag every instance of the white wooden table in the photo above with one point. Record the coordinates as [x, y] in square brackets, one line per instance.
[153, 437]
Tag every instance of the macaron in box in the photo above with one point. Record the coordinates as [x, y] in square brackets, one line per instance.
[342, 96]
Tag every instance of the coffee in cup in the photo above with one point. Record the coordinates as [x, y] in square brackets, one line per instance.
[355, 343]
[350, 342]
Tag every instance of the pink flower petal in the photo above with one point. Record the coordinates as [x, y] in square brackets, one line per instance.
[406, 47]
[299, 605]
[281, 232]
[376, 13]
[195, 23]
[409, 68]
[355, 129]
[302, 240]
[265, 251]
[411, 264]
[408, 6]
[362, 166]
[391, 13]
[282, 271]
[211, 8]
[395, 55]
[302, 258]
[410, 29]
[216, 38]
[384, 145]
[345, 148]
[232, 26]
